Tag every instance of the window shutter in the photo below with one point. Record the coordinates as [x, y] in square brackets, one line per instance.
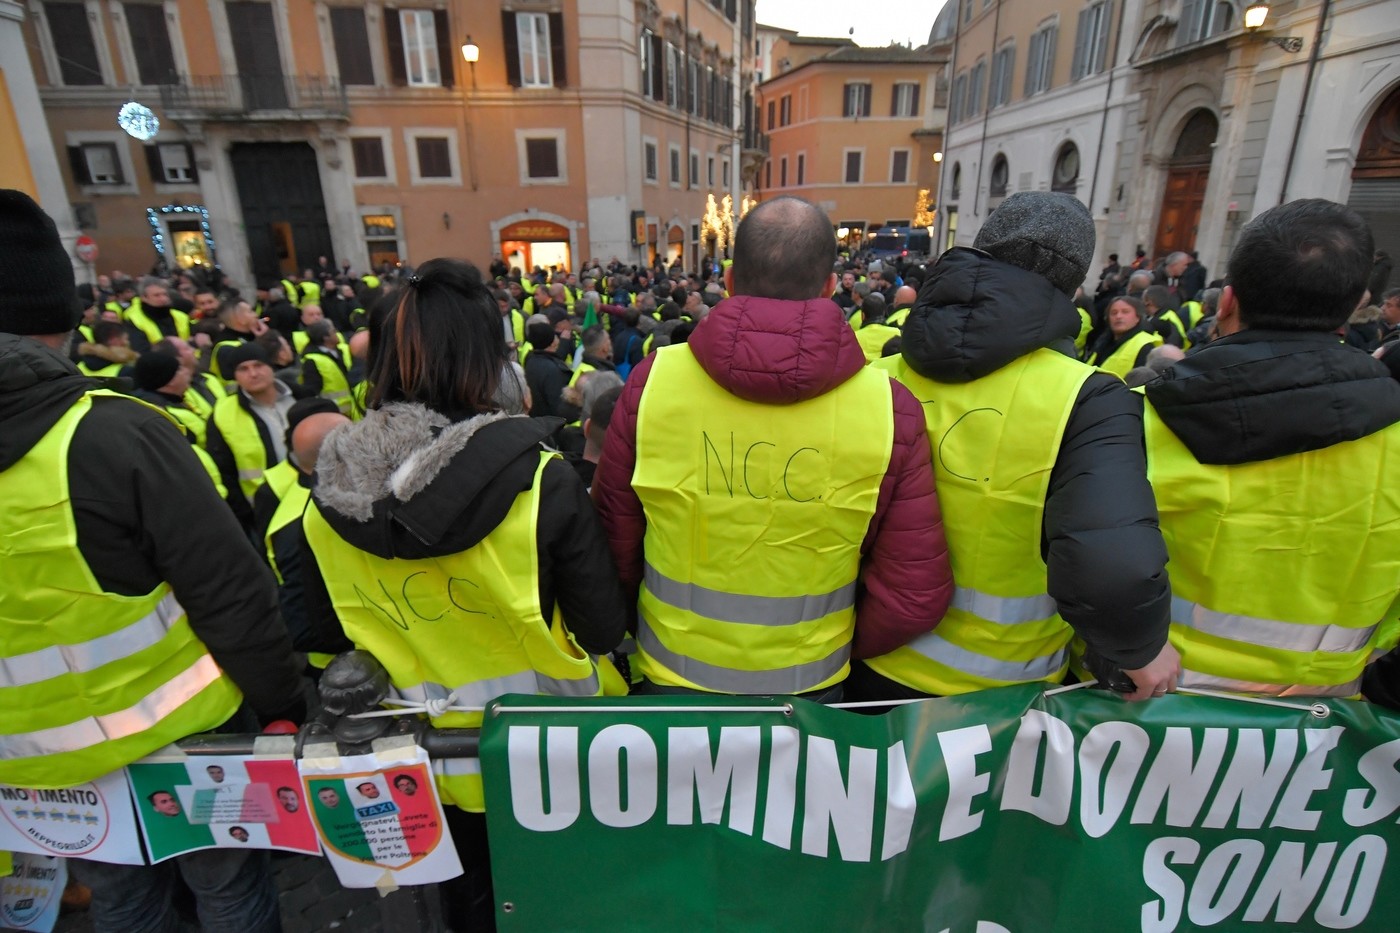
[153, 163]
[1101, 41]
[508, 30]
[78, 162]
[1032, 58]
[557, 49]
[1081, 41]
[915, 102]
[894, 100]
[189, 157]
[445, 47]
[865, 104]
[658, 68]
[846, 107]
[393, 32]
[1048, 55]
[1188, 28]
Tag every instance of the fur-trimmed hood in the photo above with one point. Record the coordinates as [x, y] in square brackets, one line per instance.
[407, 482]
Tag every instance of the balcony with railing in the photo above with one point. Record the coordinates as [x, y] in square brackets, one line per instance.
[263, 97]
[755, 140]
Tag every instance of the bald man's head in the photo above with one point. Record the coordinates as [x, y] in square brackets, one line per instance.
[308, 436]
[905, 296]
[359, 345]
[784, 248]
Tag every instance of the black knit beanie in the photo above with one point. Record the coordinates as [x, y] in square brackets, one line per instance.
[37, 290]
[154, 370]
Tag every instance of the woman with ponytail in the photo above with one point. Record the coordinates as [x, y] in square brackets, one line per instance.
[453, 547]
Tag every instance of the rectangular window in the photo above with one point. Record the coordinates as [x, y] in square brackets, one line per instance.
[532, 33]
[772, 115]
[724, 172]
[1202, 19]
[368, 152]
[710, 171]
[1003, 64]
[857, 100]
[675, 154]
[73, 43]
[150, 43]
[542, 157]
[420, 50]
[175, 163]
[98, 164]
[434, 157]
[854, 158]
[351, 38]
[801, 169]
[649, 160]
[694, 169]
[785, 110]
[976, 87]
[768, 174]
[959, 102]
[1040, 60]
[899, 166]
[1090, 41]
[782, 172]
[905, 100]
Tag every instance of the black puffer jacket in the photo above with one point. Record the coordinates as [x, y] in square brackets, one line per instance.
[1102, 547]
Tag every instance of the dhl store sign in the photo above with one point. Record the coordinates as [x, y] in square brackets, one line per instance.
[537, 242]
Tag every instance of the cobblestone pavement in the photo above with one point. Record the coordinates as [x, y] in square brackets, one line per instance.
[312, 899]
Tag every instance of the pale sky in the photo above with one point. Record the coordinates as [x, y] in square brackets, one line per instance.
[876, 22]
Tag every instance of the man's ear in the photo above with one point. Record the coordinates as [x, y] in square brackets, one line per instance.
[832, 281]
[729, 278]
[1227, 313]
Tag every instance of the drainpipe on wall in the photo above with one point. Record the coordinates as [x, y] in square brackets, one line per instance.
[986, 114]
[1313, 57]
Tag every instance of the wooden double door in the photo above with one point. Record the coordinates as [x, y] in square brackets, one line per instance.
[1182, 203]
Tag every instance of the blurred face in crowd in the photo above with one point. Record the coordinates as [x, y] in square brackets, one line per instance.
[1391, 311]
[1177, 268]
[253, 376]
[179, 382]
[184, 353]
[156, 296]
[206, 303]
[284, 354]
[1122, 317]
[311, 314]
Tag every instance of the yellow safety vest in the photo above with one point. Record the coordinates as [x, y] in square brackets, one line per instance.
[291, 505]
[994, 442]
[1121, 361]
[308, 293]
[1284, 571]
[359, 393]
[872, 339]
[300, 341]
[137, 317]
[240, 430]
[110, 371]
[91, 680]
[1194, 314]
[755, 517]
[197, 403]
[227, 378]
[578, 373]
[335, 383]
[459, 625]
[898, 318]
[191, 421]
[1086, 325]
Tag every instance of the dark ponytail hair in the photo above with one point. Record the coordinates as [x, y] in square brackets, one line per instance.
[441, 344]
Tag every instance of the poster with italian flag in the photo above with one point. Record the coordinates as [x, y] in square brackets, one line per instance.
[205, 802]
[380, 819]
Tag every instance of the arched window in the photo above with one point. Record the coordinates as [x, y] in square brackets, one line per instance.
[1065, 176]
[1001, 176]
[1196, 139]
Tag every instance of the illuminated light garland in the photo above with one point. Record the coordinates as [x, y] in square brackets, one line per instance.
[153, 215]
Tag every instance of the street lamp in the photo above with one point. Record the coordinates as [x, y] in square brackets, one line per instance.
[470, 54]
[938, 157]
[1254, 17]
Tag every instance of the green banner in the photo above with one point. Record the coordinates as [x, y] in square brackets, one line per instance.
[1006, 809]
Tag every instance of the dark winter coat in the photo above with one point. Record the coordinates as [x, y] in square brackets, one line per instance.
[145, 512]
[1103, 551]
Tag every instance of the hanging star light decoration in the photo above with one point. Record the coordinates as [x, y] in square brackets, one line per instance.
[138, 120]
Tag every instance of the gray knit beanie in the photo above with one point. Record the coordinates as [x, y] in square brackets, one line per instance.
[1043, 232]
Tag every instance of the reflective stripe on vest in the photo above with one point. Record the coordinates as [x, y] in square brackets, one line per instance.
[755, 518]
[239, 428]
[90, 680]
[1284, 571]
[457, 619]
[110, 371]
[21, 670]
[1122, 360]
[994, 442]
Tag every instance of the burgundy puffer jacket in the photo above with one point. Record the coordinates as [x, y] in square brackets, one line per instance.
[776, 353]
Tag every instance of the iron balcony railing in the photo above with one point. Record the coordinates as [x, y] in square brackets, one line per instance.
[267, 95]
